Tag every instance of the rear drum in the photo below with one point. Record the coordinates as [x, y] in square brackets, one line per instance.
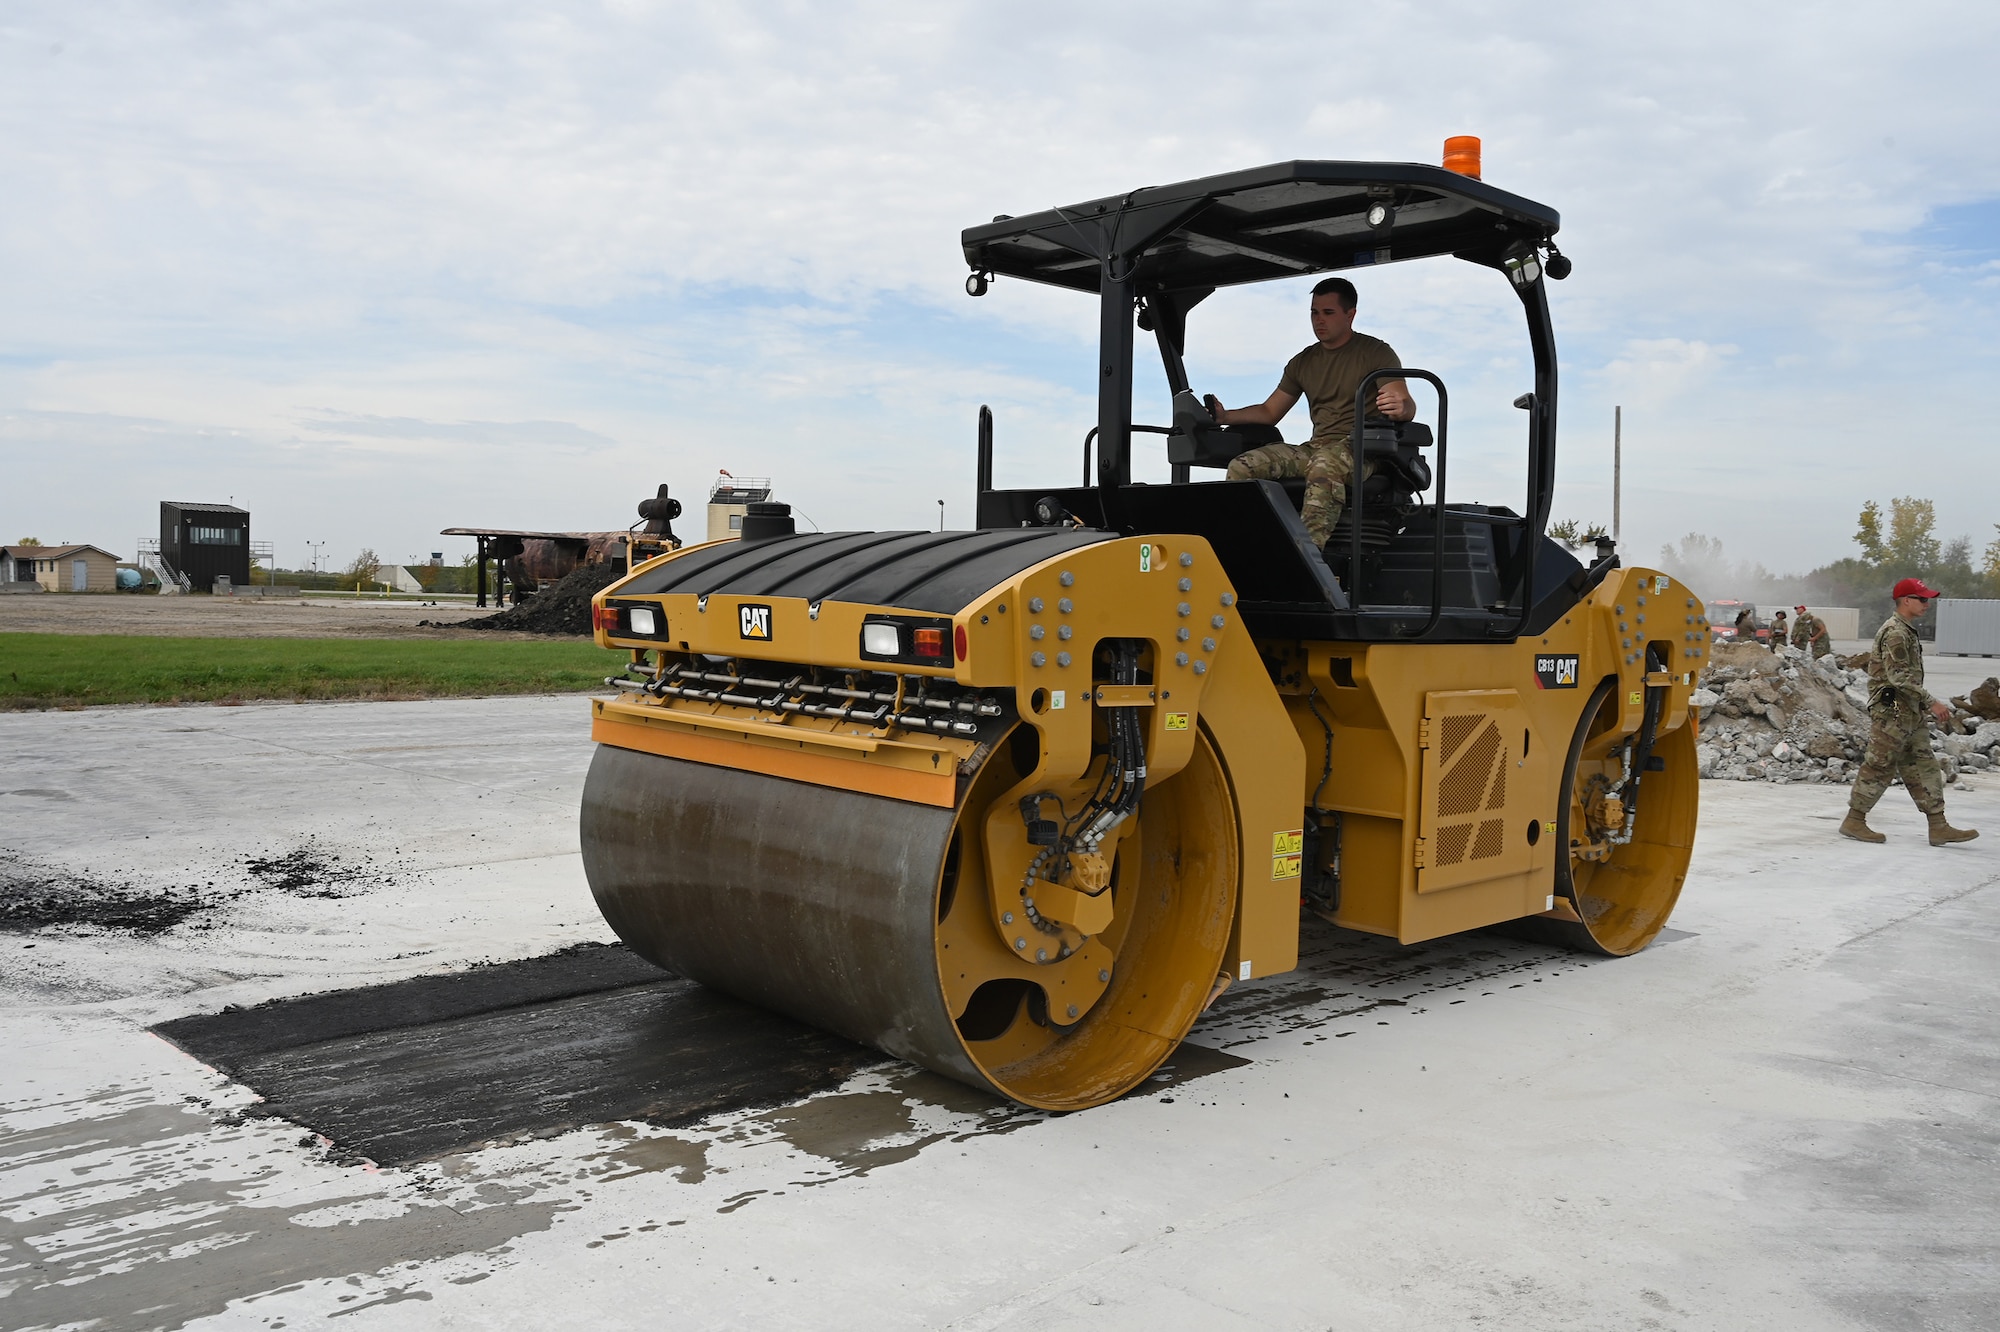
[1623, 893]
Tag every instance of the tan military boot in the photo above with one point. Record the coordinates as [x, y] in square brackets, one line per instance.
[1943, 834]
[1856, 826]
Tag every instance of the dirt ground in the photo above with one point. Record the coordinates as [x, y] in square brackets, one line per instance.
[229, 617]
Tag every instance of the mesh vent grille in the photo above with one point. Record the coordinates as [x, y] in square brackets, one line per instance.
[1473, 809]
[1454, 731]
[1464, 786]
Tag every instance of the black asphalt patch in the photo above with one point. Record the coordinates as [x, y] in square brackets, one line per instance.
[228, 1039]
[426, 1067]
[421, 1068]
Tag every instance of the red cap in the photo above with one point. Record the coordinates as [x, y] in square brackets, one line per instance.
[1798, 608]
[1912, 587]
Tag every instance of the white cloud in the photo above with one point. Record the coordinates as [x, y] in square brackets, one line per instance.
[677, 235]
[1652, 372]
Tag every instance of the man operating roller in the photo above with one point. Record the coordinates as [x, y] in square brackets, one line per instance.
[1327, 374]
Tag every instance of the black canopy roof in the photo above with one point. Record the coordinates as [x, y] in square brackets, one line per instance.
[1268, 222]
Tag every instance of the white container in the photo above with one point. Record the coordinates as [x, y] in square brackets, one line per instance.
[1968, 627]
[1842, 622]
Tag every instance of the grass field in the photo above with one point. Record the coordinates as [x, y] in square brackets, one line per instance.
[77, 670]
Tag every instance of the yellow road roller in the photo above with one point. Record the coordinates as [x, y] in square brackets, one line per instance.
[1017, 803]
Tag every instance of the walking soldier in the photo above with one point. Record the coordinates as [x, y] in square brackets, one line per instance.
[1899, 743]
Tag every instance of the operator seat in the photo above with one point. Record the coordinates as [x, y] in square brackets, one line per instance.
[1391, 459]
[1395, 472]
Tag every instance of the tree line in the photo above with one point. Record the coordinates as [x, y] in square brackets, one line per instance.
[1901, 542]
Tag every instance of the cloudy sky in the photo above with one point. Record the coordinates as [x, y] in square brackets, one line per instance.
[375, 269]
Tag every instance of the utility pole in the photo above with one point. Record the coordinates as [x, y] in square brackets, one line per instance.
[1617, 465]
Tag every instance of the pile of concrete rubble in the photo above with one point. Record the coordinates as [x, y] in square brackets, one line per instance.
[1785, 717]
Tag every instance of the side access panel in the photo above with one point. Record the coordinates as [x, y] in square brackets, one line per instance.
[1482, 791]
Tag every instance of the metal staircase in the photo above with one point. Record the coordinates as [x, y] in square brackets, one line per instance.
[171, 579]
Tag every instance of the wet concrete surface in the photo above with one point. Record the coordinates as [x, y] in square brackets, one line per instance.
[1786, 1114]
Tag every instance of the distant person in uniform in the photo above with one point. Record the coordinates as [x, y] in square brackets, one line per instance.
[1899, 744]
[1809, 633]
[1327, 375]
[1746, 626]
[1778, 633]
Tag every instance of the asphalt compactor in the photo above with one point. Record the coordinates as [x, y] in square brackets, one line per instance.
[1017, 803]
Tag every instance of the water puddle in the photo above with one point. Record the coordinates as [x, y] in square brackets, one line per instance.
[124, 1213]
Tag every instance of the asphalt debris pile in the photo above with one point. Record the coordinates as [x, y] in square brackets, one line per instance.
[40, 897]
[308, 870]
[36, 897]
[562, 608]
[1787, 717]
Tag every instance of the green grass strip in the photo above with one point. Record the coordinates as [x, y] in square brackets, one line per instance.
[77, 670]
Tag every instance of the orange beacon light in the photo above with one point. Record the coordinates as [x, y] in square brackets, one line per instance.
[1461, 154]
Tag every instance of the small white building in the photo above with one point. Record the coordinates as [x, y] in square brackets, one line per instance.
[398, 578]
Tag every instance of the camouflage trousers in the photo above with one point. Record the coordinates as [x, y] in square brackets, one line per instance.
[1899, 745]
[1327, 468]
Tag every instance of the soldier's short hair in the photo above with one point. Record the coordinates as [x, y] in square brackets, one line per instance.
[1340, 287]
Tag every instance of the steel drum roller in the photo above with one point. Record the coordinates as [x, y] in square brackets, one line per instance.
[843, 909]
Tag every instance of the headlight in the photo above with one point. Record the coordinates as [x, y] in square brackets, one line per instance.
[881, 640]
[640, 618]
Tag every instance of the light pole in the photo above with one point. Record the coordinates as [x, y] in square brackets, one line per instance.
[1617, 465]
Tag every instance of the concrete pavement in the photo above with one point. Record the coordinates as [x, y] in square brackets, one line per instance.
[1782, 1115]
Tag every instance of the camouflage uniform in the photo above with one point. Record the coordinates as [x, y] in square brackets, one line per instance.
[1779, 633]
[1899, 744]
[1326, 469]
[1328, 379]
[1809, 635]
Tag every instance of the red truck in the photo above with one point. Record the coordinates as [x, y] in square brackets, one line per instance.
[1722, 621]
